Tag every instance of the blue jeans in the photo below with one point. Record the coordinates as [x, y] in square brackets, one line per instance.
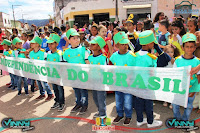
[44, 86]
[187, 111]
[144, 105]
[59, 93]
[124, 104]
[99, 98]
[32, 84]
[19, 84]
[13, 79]
[81, 96]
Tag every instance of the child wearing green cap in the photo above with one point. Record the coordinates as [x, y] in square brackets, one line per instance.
[146, 59]
[97, 58]
[123, 57]
[55, 55]
[9, 53]
[79, 55]
[188, 59]
[39, 54]
[17, 43]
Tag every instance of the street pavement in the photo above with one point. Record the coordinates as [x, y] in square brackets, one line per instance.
[51, 121]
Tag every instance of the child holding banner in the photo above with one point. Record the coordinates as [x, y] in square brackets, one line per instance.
[9, 53]
[55, 55]
[123, 57]
[187, 59]
[77, 54]
[39, 54]
[146, 59]
[97, 58]
[18, 45]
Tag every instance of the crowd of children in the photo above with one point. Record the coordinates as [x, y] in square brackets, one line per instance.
[142, 44]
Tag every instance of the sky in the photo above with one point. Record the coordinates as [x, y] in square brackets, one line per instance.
[31, 9]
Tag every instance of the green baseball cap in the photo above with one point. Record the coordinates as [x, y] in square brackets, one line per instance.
[121, 38]
[72, 32]
[7, 42]
[36, 39]
[98, 40]
[189, 37]
[53, 38]
[147, 37]
[16, 40]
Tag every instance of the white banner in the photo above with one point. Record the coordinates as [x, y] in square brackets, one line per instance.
[163, 84]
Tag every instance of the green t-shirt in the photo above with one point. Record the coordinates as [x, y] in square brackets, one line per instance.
[18, 54]
[39, 55]
[98, 60]
[76, 55]
[127, 59]
[145, 59]
[193, 62]
[8, 53]
[55, 57]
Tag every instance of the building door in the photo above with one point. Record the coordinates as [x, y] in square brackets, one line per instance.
[142, 13]
[101, 17]
[81, 19]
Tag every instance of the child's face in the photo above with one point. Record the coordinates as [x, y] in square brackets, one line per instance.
[94, 31]
[34, 45]
[161, 27]
[176, 30]
[82, 35]
[189, 48]
[18, 45]
[5, 47]
[103, 32]
[130, 27]
[170, 52]
[52, 46]
[74, 41]
[115, 31]
[123, 48]
[162, 16]
[139, 27]
[150, 45]
[191, 26]
[24, 37]
[94, 47]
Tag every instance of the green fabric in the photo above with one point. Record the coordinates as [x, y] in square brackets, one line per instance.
[53, 38]
[21, 55]
[36, 39]
[98, 40]
[121, 38]
[145, 60]
[40, 55]
[180, 62]
[72, 32]
[127, 59]
[75, 55]
[16, 40]
[6, 42]
[97, 60]
[147, 37]
[189, 37]
[8, 53]
[55, 57]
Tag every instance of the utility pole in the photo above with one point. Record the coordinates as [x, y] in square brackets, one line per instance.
[14, 14]
[116, 10]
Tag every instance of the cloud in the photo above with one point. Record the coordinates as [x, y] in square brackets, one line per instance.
[31, 9]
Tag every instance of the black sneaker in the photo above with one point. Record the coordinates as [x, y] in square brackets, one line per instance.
[117, 119]
[14, 87]
[83, 110]
[19, 93]
[61, 107]
[127, 121]
[55, 105]
[76, 107]
[10, 86]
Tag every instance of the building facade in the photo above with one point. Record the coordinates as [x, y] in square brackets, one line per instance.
[83, 11]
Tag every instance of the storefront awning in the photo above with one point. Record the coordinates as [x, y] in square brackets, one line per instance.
[137, 6]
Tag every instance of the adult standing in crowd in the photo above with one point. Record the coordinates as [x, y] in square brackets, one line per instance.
[63, 41]
[159, 16]
[26, 44]
[1, 35]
